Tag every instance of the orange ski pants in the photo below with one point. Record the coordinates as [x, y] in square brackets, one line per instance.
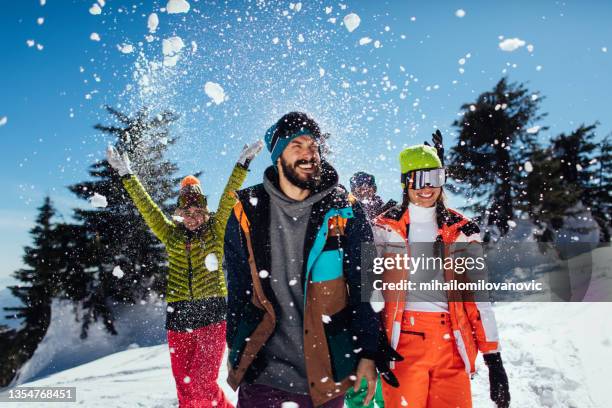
[432, 374]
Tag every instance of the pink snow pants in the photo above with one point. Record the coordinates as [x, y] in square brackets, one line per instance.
[195, 358]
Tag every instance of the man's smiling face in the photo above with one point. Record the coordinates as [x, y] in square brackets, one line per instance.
[300, 162]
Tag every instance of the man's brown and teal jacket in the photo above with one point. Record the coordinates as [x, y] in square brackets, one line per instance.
[338, 325]
[195, 295]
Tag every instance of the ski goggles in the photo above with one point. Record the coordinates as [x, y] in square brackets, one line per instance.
[419, 179]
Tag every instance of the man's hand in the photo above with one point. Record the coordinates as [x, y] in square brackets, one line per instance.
[118, 162]
[366, 370]
[249, 152]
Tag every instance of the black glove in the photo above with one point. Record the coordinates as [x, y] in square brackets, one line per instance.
[498, 380]
[383, 356]
[436, 138]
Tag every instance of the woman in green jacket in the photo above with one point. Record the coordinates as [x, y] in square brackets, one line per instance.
[196, 291]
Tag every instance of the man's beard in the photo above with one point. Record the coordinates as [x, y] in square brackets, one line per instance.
[291, 174]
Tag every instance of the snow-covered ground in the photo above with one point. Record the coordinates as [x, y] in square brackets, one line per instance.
[62, 347]
[556, 355]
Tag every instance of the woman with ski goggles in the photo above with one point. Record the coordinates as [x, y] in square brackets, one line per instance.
[439, 337]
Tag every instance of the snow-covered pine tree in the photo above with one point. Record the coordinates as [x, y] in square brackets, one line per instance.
[123, 261]
[36, 288]
[495, 134]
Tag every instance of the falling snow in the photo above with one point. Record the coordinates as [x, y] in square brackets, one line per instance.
[351, 22]
[211, 262]
[171, 47]
[98, 201]
[125, 48]
[533, 130]
[117, 272]
[215, 92]
[511, 44]
[95, 9]
[177, 6]
[152, 22]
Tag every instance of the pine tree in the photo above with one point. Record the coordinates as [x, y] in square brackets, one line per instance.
[494, 140]
[38, 285]
[571, 171]
[547, 197]
[586, 167]
[599, 197]
[8, 355]
[116, 236]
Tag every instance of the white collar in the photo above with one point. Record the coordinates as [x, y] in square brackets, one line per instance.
[420, 214]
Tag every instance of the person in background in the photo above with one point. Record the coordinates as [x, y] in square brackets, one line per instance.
[363, 188]
[196, 291]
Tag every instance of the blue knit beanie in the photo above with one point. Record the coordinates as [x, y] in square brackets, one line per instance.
[287, 128]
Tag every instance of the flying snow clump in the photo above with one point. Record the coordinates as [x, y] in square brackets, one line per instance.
[351, 22]
[511, 44]
[214, 92]
[212, 262]
[152, 22]
[117, 272]
[177, 6]
[95, 9]
[171, 48]
[98, 201]
[533, 130]
[125, 48]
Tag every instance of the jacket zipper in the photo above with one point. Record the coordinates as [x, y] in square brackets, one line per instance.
[190, 271]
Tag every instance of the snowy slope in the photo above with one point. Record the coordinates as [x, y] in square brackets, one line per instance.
[62, 347]
[556, 355]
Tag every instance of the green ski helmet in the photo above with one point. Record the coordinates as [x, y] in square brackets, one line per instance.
[421, 167]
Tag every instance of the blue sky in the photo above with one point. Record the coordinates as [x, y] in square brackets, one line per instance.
[270, 58]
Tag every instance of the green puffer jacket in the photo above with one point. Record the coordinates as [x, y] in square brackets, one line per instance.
[192, 288]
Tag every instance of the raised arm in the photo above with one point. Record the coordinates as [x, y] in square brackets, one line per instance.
[227, 200]
[151, 213]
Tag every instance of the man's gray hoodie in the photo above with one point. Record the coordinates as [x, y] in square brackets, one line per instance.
[284, 350]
